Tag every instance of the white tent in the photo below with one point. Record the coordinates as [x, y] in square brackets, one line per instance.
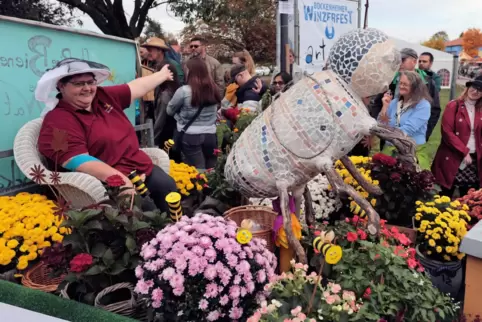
[442, 64]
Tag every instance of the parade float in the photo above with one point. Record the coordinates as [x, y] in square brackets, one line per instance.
[356, 238]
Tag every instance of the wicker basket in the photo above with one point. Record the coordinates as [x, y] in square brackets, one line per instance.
[38, 278]
[125, 308]
[264, 216]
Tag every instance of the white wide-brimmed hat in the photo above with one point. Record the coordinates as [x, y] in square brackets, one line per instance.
[47, 84]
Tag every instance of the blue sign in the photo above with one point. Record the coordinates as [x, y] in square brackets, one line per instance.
[28, 49]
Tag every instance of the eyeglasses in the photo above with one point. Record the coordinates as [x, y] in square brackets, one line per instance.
[478, 90]
[278, 83]
[404, 84]
[81, 84]
[194, 46]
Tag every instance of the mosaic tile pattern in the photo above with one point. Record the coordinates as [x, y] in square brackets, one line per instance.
[319, 119]
[364, 58]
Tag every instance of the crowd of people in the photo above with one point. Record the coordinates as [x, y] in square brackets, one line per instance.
[186, 98]
[200, 94]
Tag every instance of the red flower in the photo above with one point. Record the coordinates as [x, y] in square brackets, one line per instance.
[382, 222]
[420, 269]
[205, 185]
[384, 159]
[411, 252]
[115, 181]
[80, 263]
[377, 256]
[400, 251]
[362, 234]
[351, 236]
[367, 293]
[355, 219]
[317, 233]
[394, 230]
[396, 177]
[412, 263]
[217, 152]
[403, 239]
[347, 220]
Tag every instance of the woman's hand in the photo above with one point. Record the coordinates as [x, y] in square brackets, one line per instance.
[387, 98]
[165, 73]
[130, 187]
[258, 86]
[468, 159]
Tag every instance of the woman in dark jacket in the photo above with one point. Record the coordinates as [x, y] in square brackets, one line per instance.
[459, 155]
[165, 124]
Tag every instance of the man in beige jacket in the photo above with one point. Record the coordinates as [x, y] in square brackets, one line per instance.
[198, 49]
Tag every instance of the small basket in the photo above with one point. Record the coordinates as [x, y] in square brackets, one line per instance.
[38, 278]
[264, 216]
[125, 307]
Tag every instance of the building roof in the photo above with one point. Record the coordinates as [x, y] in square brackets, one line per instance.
[456, 42]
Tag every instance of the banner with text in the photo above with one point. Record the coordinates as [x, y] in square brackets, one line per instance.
[322, 22]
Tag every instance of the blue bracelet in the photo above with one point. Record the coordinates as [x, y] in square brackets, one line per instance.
[78, 160]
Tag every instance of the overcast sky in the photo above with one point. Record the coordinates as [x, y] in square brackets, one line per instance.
[410, 20]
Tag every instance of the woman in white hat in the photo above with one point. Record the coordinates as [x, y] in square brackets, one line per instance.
[101, 140]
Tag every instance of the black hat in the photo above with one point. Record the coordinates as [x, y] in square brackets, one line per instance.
[477, 83]
[235, 70]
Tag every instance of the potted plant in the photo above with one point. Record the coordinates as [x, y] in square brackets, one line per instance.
[298, 296]
[385, 274]
[472, 203]
[441, 225]
[28, 224]
[196, 270]
[103, 247]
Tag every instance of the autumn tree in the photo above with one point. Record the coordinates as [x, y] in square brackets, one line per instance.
[43, 11]
[437, 41]
[110, 16]
[236, 25]
[441, 35]
[472, 41]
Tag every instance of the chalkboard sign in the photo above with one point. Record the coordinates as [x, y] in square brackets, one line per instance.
[28, 49]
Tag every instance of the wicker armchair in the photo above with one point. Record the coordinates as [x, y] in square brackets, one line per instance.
[80, 189]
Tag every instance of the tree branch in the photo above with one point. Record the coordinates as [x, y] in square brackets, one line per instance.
[100, 20]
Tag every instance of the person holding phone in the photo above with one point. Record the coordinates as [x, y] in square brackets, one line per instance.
[459, 155]
[409, 112]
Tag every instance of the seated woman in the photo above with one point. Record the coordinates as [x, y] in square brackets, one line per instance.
[279, 83]
[410, 113]
[194, 106]
[101, 140]
[459, 155]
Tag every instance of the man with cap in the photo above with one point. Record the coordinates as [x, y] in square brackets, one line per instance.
[158, 49]
[409, 63]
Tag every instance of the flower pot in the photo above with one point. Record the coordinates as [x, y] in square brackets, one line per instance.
[118, 298]
[446, 276]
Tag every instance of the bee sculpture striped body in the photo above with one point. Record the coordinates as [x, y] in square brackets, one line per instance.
[314, 123]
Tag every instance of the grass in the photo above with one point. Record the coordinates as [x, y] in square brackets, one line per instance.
[436, 136]
[55, 306]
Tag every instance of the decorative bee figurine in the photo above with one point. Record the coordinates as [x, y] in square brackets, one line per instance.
[174, 203]
[324, 245]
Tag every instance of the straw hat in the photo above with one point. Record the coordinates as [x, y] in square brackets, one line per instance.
[156, 43]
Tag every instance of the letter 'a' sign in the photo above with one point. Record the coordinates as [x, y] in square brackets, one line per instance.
[321, 24]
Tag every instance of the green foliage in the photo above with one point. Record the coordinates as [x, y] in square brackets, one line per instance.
[43, 11]
[394, 288]
[153, 29]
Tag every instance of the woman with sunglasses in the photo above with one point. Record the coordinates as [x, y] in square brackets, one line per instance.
[459, 155]
[280, 80]
[100, 139]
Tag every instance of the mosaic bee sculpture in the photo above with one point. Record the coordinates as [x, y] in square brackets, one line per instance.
[316, 122]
